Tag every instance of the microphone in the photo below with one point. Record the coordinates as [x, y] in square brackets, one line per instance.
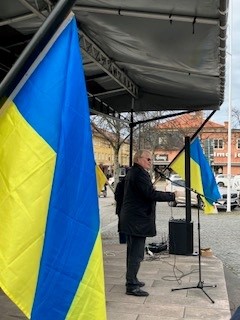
[162, 175]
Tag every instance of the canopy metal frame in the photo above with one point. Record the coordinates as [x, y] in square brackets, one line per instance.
[118, 98]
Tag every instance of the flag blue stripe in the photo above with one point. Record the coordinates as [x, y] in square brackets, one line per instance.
[60, 115]
[210, 188]
[45, 87]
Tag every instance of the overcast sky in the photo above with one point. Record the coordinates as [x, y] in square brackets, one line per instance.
[222, 115]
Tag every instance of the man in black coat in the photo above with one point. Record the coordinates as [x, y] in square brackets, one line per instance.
[118, 196]
[137, 218]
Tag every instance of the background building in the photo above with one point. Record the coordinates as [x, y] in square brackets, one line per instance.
[214, 138]
[104, 153]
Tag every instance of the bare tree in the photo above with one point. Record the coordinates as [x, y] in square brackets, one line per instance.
[236, 117]
[146, 135]
[151, 137]
[116, 133]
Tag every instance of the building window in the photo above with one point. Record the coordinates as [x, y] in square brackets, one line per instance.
[238, 143]
[218, 143]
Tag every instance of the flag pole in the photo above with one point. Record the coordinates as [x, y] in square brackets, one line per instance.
[229, 157]
[188, 179]
[35, 46]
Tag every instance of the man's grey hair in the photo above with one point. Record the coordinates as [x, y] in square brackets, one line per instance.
[139, 154]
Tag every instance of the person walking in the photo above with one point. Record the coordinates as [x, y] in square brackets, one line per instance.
[137, 217]
[118, 196]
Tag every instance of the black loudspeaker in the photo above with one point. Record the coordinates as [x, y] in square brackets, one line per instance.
[180, 237]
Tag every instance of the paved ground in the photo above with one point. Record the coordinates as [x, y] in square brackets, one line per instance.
[166, 272]
[161, 275]
[220, 232]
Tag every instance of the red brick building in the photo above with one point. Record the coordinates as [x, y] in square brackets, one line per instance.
[214, 138]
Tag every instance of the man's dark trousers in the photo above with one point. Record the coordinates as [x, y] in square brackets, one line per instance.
[135, 254]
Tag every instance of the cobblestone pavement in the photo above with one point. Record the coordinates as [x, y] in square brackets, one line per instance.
[220, 232]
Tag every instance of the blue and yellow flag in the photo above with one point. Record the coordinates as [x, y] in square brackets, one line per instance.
[51, 262]
[101, 179]
[202, 178]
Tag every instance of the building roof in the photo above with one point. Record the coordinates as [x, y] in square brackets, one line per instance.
[189, 121]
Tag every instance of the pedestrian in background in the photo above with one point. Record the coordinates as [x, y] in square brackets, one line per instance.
[118, 196]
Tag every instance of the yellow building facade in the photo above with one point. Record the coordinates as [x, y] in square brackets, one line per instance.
[104, 153]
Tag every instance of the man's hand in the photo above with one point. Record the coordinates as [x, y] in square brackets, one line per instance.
[176, 193]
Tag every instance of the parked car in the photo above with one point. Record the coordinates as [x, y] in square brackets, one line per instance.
[236, 182]
[174, 177]
[222, 180]
[179, 185]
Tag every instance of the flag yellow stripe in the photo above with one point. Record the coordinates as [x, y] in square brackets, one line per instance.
[26, 172]
[196, 179]
[89, 301]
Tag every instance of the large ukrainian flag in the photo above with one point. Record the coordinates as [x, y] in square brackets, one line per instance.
[50, 247]
[202, 178]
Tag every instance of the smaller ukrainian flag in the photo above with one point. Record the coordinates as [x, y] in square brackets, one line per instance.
[202, 177]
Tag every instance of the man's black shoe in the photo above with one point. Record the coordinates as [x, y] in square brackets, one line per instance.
[137, 292]
[141, 284]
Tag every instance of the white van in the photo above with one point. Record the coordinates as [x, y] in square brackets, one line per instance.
[236, 182]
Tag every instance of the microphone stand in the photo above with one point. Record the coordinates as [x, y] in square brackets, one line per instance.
[200, 285]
